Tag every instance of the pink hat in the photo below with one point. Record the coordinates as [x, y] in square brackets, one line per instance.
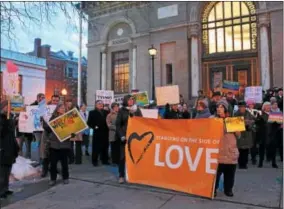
[250, 102]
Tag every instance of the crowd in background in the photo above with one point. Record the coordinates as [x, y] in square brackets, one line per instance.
[109, 126]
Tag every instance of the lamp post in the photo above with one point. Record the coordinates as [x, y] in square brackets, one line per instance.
[64, 93]
[153, 51]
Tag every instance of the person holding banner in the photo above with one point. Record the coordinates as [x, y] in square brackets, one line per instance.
[228, 153]
[129, 108]
[245, 140]
[58, 151]
[202, 109]
[8, 148]
[174, 113]
[100, 143]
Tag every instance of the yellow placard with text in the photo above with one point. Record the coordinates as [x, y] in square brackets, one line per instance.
[67, 124]
[235, 124]
[180, 155]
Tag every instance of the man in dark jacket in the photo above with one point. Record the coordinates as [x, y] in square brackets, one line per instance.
[280, 99]
[8, 149]
[213, 104]
[100, 144]
[174, 113]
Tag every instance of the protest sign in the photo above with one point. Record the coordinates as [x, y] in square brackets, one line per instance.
[231, 86]
[275, 117]
[235, 124]
[253, 93]
[67, 124]
[42, 108]
[167, 94]
[32, 118]
[105, 95]
[141, 98]
[17, 104]
[118, 99]
[150, 113]
[23, 123]
[181, 157]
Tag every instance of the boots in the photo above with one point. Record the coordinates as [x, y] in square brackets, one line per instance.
[45, 167]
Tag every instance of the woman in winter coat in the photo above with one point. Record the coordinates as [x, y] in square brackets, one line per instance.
[111, 123]
[245, 141]
[128, 109]
[174, 113]
[202, 109]
[58, 151]
[263, 131]
[228, 154]
[8, 149]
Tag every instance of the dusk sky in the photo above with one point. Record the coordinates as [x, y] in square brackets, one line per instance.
[61, 36]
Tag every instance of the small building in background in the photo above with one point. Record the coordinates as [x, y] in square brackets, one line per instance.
[32, 73]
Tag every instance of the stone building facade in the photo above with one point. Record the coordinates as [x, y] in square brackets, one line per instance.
[199, 44]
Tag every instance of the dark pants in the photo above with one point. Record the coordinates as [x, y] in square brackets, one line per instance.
[269, 150]
[243, 158]
[253, 150]
[228, 172]
[5, 171]
[28, 142]
[100, 147]
[86, 142]
[121, 166]
[45, 165]
[62, 156]
[115, 150]
[77, 155]
[280, 144]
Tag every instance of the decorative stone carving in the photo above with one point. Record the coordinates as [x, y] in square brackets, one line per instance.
[263, 20]
[194, 29]
[104, 49]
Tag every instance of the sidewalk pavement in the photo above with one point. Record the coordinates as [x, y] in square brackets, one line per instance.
[97, 188]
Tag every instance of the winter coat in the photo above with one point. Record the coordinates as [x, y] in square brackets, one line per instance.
[280, 103]
[245, 141]
[8, 145]
[111, 122]
[263, 129]
[122, 120]
[213, 107]
[228, 152]
[186, 115]
[97, 121]
[173, 115]
[52, 140]
[203, 114]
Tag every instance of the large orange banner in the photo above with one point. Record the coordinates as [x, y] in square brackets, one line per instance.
[179, 155]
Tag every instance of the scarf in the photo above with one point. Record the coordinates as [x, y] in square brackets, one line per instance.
[277, 110]
[203, 114]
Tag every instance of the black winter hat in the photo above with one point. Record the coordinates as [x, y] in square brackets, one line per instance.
[242, 103]
[217, 93]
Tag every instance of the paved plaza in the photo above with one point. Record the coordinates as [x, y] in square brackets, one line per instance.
[97, 188]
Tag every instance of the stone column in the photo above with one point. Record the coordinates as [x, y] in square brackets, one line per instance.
[134, 79]
[264, 51]
[194, 65]
[104, 73]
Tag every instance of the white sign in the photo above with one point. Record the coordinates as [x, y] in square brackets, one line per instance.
[168, 11]
[29, 121]
[10, 83]
[150, 113]
[253, 93]
[167, 94]
[106, 96]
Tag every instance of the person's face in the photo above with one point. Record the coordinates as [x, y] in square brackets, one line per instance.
[69, 104]
[199, 107]
[54, 100]
[200, 93]
[242, 109]
[220, 110]
[184, 107]
[99, 105]
[83, 108]
[175, 107]
[61, 110]
[116, 108]
[230, 96]
[280, 93]
[40, 98]
[130, 102]
[267, 108]
[274, 106]
[251, 106]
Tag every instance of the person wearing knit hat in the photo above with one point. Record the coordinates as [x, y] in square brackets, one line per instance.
[202, 109]
[8, 149]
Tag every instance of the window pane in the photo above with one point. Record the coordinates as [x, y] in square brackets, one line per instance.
[220, 39]
[228, 12]
[237, 21]
[245, 19]
[236, 9]
[212, 41]
[121, 72]
[244, 9]
[211, 25]
[228, 22]
[246, 37]
[219, 11]
[229, 39]
[219, 24]
[211, 16]
[237, 38]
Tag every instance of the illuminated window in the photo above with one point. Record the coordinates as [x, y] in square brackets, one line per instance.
[120, 69]
[228, 27]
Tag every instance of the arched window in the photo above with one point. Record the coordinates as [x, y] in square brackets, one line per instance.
[228, 27]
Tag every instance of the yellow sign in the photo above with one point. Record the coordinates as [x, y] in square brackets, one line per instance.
[235, 124]
[67, 124]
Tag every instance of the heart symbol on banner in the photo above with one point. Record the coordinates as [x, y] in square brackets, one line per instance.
[135, 136]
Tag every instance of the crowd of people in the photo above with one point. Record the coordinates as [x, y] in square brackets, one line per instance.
[109, 125]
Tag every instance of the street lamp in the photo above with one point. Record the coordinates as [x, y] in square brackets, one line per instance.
[153, 51]
[64, 93]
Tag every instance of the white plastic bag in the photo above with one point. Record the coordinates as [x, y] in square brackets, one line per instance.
[22, 169]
